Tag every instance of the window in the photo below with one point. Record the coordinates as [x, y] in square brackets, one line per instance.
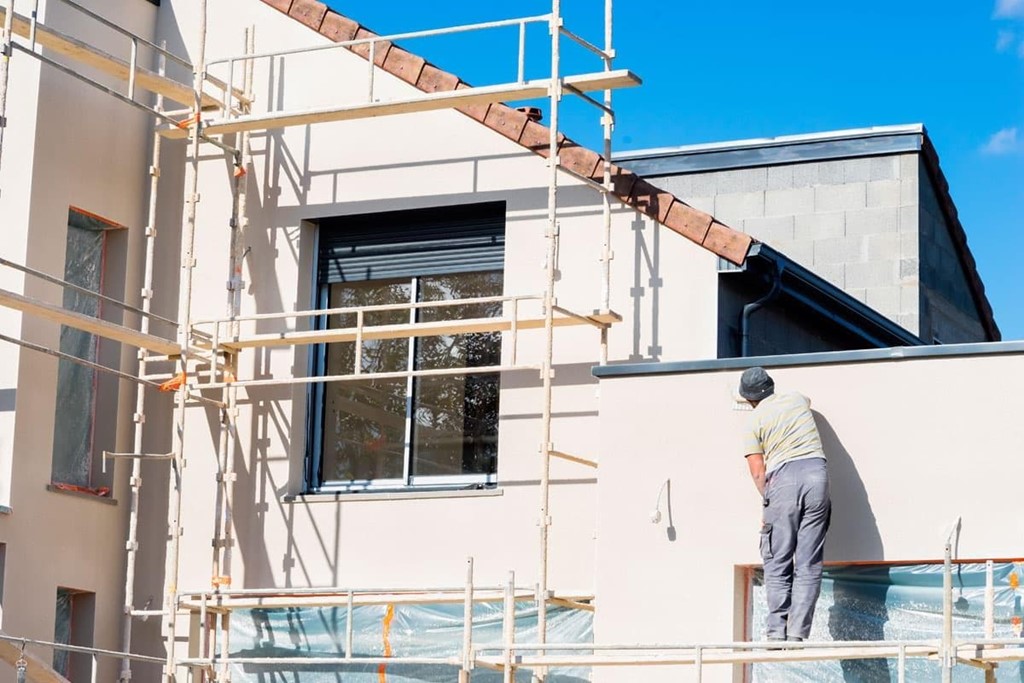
[433, 430]
[78, 386]
[73, 625]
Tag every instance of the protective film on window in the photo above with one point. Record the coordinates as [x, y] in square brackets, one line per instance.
[896, 602]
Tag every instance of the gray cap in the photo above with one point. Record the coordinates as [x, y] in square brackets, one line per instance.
[756, 384]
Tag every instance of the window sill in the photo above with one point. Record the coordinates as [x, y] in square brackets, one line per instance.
[343, 497]
[83, 496]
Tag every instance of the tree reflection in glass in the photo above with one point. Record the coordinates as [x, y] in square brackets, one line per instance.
[364, 421]
[454, 419]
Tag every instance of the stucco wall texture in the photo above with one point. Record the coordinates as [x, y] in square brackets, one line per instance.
[906, 455]
[75, 147]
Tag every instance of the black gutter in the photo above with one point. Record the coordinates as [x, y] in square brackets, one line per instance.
[752, 307]
[827, 300]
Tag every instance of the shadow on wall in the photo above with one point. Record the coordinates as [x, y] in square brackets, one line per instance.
[853, 536]
[646, 257]
[858, 611]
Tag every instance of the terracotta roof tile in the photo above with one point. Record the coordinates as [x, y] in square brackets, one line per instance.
[433, 79]
[727, 243]
[338, 28]
[688, 222]
[537, 138]
[622, 180]
[578, 159]
[473, 111]
[631, 189]
[380, 51]
[309, 12]
[506, 120]
[651, 200]
[404, 64]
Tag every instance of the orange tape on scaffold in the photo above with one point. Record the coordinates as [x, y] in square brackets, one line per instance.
[382, 669]
[189, 122]
[174, 383]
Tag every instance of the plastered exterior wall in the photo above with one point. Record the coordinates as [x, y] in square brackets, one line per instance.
[908, 454]
[66, 145]
[663, 285]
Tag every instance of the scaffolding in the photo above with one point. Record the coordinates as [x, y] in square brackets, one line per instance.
[207, 352]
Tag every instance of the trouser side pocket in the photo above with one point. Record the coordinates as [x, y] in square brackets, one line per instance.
[766, 541]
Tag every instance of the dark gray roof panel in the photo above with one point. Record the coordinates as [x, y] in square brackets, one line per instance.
[789, 149]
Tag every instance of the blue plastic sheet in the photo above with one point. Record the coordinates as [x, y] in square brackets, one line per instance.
[416, 630]
[889, 602]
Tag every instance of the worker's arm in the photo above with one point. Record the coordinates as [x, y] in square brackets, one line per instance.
[755, 461]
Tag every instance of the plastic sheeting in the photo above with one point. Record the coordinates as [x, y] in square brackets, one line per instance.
[62, 629]
[904, 602]
[76, 384]
[416, 630]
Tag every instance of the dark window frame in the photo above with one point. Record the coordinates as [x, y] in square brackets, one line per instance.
[398, 245]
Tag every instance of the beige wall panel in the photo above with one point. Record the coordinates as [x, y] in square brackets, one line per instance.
[67, 145]
[418, 160]
[912, 445]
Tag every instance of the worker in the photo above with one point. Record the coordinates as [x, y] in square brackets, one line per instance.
[787, 463]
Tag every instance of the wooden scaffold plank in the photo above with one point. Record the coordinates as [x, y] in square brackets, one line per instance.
[100, 328]
[408, 330]
[508, 92]
[90, 56]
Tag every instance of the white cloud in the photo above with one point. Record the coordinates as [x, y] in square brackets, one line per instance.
[1004, 141]
[1004, 40]
[1010, 8]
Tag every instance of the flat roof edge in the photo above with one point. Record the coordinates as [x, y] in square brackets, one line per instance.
[792, 152]
[897, 353]
[776, 141]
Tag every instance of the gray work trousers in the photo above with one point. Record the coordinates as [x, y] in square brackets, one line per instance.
[797, 510]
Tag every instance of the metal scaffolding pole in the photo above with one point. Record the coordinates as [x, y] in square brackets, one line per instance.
[547, 369]
[223, 525]
[6, 49]
[132, 545]
[607, 127]
[184, 333]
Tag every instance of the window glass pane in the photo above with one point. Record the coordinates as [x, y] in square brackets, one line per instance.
[364, 421]
[62, 630]
[76, 384]
[455, 419]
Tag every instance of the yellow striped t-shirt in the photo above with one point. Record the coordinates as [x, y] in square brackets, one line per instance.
[782, 428]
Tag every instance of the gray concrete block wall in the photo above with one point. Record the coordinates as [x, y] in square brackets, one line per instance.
[947, 309]
[854, 222]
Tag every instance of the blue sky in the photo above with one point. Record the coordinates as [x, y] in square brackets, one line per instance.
[728, 70]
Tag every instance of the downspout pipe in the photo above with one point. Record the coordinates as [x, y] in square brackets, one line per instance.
[749, 309]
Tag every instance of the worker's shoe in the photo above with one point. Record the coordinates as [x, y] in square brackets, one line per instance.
[794, 639]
